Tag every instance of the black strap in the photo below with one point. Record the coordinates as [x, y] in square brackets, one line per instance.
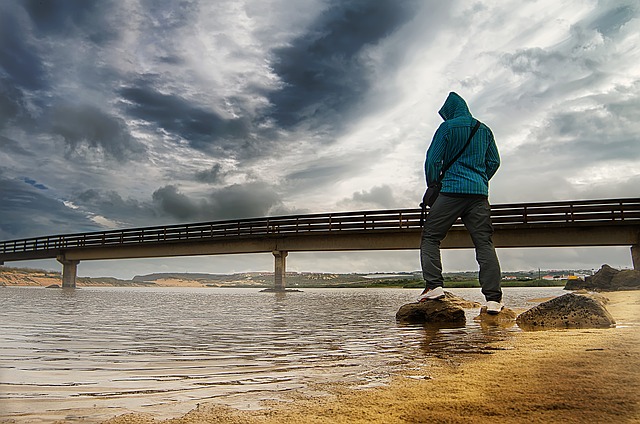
[452, 161]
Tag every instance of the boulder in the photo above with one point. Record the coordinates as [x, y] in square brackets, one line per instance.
[505, 318]
[628, 279]
[607, 279]
[568, 311]
[447, 310]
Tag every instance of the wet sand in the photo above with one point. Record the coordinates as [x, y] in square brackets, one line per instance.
[558, 376]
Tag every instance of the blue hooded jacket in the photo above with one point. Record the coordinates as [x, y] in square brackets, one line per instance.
[471, 173]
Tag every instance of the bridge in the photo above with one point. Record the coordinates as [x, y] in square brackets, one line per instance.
[609, 222]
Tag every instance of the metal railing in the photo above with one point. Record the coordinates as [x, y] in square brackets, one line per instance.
[569, 213]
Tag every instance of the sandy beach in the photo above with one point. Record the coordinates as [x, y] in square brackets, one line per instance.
[556, 376]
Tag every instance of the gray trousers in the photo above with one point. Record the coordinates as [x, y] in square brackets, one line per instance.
[476, 216]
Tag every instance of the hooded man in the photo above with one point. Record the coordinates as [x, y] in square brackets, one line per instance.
[463, 194]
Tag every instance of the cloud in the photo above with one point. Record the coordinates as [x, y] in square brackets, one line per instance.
[64, 18]
[12, 104]
[379, 197]
[19, 54]
[324, 72]
[46, 215]
[249, 200]
[213, 175]
[199, 125]
[88, 126]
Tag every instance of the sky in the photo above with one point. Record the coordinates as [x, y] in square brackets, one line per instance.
[128, 113]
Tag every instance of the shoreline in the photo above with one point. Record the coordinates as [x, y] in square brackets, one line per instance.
[563, 376]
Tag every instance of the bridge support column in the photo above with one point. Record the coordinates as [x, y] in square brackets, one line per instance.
[280, 270]
[635, 256]
[69, 272]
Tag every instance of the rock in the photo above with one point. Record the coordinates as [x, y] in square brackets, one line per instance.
[459, 301]
[593, 295]
[52, 286]
[442, 311]
[505, 318]
[568, 311]
[607, 279]
[628, 279]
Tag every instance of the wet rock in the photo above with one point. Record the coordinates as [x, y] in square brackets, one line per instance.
[460, 301]
[441, 311]
[607, 279]
[567, 311]
[505, 318]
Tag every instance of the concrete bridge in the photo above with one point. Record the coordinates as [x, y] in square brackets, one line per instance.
[610, 222]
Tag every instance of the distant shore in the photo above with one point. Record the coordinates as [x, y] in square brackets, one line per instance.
[258, 280]
[562, 376]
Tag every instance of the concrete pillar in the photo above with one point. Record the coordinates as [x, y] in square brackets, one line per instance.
[635, 257]
[280, 270]
[69, 272]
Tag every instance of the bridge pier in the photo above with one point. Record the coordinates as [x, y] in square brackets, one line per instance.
[69, 272]
[280, 269]
[635, 256]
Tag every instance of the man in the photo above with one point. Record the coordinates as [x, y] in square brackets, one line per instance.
[464, 194]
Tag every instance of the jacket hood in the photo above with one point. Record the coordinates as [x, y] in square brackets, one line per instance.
[454, 107]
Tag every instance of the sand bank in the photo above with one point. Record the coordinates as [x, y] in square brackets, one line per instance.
[564, 376]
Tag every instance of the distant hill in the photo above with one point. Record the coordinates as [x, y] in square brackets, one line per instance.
[177, 276]
[42, 278]
[35, 277]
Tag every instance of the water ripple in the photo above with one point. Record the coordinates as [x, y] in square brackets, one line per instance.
[116, 350]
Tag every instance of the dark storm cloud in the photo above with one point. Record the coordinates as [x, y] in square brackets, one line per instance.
[84, 125]
[112, 205]
[202, 128]
[236, 201]
[28, 212]
[65, 18]
[19, 58]
[177, 205]
[322, 73]
[169, 205]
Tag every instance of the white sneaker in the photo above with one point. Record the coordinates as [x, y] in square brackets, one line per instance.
[494, 308]
[432, 294]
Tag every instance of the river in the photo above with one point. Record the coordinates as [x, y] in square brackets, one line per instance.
[92, 353]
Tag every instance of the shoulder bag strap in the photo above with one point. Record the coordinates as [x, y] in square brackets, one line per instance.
[452, 161]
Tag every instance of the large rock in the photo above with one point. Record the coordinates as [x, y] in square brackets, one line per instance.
[607, 279]
[628, 279]
[448, 310]
[567, 311]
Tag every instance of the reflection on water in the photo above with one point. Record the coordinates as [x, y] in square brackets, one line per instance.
[97, 352]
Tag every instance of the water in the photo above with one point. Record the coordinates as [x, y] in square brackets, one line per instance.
[93, 353]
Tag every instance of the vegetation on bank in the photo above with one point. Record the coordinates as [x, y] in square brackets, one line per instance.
[415, 284]
[294, 280]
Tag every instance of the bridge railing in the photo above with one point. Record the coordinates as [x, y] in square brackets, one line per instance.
[610, 211]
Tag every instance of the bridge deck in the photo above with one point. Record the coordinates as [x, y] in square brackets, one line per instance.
[574, 223]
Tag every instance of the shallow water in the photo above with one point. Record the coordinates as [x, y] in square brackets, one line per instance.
[92, 353]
